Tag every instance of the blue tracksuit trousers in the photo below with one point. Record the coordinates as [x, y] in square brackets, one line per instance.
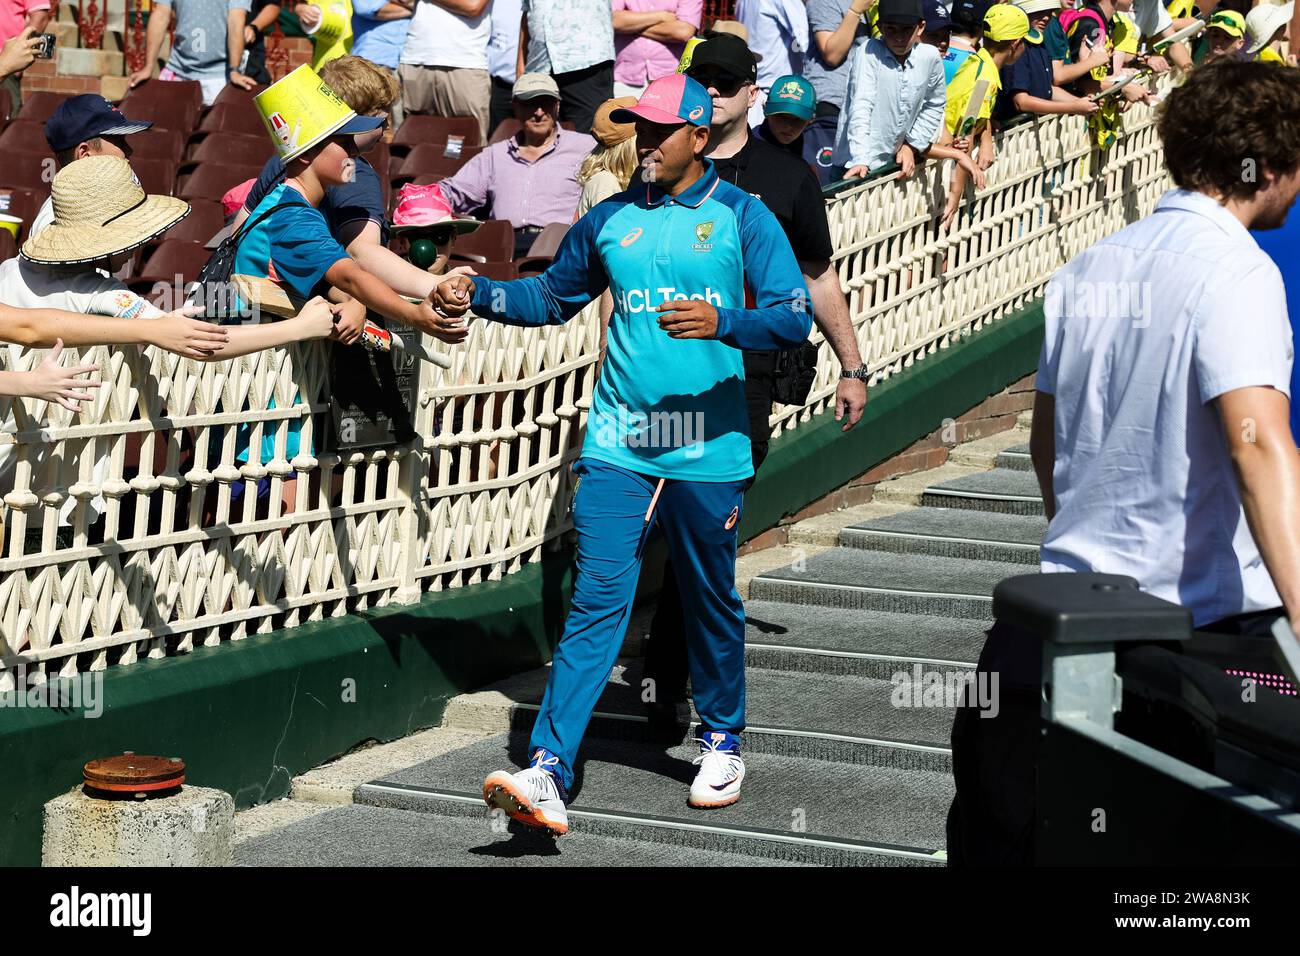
[699, 521]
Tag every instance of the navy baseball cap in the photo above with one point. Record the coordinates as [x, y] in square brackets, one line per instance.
[82, 118]
[936, 17]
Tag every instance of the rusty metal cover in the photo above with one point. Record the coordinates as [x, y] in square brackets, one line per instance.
[134, 773]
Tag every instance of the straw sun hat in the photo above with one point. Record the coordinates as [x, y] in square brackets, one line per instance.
[100, 210]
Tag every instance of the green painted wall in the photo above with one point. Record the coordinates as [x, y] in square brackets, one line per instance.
[248, 716]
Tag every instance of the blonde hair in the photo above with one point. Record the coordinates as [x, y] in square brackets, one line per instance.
[365, 87]
[619, 160]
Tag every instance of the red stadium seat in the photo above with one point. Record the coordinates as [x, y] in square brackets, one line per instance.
[6, 107]
[26, 136]
[156, 175]
[40, 106]
[205, 220]
[174, 104]
[233, 149]
[428, 130]
[505, 129]
[232, 118]
[158, 143]
[494, 241]
[8, 247]
[500, 271]
[428, 161]
[214, 180]
[234, 96]
[548, 241]
[23, 203]
[174, 257]
[379, 157]
[33, 171]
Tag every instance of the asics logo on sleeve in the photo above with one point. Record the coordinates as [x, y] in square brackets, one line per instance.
[632, 301]
[631, 237]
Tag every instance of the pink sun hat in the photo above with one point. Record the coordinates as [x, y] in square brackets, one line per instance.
[419, 207]
[671, 100]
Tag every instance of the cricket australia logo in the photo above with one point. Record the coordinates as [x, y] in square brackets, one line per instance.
[790, 91]
[703, 231]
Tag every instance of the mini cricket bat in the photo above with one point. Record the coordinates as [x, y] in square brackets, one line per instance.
[274, 299]
[971, 117]
[1186, 33]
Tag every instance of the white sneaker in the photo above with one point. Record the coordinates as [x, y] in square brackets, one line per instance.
[533, 796]
[721, 772]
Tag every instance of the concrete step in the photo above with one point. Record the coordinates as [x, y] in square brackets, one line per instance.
[909, 489]
[984, 452]
[873, 580]
[79, 62]
[1016, 458]
[952, 532]
[1003, 490]
[462, 834]
[792, 810]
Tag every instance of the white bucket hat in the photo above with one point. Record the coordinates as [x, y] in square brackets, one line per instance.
[1263, 21]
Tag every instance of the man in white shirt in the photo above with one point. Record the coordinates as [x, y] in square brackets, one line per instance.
[1161, 436]
[444, 67]
[778, 33]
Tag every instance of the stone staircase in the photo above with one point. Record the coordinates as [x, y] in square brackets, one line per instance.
[845, 767]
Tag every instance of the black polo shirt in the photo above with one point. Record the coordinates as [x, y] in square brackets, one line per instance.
[786, 185]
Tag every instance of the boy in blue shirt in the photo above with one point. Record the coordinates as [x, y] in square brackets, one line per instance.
[667, 437]
[1028, 84]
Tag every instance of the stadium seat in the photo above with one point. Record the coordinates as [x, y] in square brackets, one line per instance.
[500, 271]
[41, 105]
[494, 241]
[156, 175]
[237, 97]
[205, 220]
[8, 247]
[25, 136]
[379, 157]
[23, 203]
[505, 129]
[158, 143]
[173, 257]
[427, 162]
[548, 241]
[429, 130]
[174, 104]
[27, 170]
[232, 149]
[231, 118]
[214, 180]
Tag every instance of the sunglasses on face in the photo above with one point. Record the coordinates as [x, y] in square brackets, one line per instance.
[725, 83]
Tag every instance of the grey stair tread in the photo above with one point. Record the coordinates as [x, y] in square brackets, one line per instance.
[866, 632]
[813, 702]
[834, 800]
[1000, 482]
[910, 573]
[1021, 449]
[962, 524]
[359, 835]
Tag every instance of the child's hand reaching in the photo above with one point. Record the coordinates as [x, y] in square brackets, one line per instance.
[60, 385]
[350, 321]
[318, 317]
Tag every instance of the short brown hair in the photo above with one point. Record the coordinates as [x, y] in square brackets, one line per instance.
[1230, 117]
[365, 87]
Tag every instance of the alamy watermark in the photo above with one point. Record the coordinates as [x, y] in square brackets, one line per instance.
[921, 687]
[1124, 300]
[630, 428]
[84, 692]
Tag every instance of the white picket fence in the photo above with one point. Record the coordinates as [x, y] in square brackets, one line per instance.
[174, 563]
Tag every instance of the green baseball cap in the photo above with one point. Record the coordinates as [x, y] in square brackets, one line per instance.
[793, 95]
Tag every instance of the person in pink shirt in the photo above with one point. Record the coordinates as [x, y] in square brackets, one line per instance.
[649, 36]
[15, 16]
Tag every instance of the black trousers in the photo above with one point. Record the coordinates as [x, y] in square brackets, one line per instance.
[499, 108]
[665, 656]
[582, 92]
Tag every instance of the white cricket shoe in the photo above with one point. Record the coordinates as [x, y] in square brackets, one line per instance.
[534, 796]
[721, 772]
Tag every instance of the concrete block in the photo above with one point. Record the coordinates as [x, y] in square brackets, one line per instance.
[74, 62]
[192, 828]
[113, 88]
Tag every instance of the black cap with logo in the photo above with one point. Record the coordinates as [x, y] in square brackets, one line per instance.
[900, 11]
[725, 51]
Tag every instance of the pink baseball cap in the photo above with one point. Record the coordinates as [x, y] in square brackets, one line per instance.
[419, 207]
[672, 100]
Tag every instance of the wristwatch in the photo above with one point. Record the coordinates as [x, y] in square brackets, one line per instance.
[861, 373]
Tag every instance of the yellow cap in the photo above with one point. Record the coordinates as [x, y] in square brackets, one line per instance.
[1005, 21]
[301, 110]
[1229, 21]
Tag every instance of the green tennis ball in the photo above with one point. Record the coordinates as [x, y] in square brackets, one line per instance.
[423, 253]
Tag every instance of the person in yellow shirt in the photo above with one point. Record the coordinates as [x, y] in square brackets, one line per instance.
[1225, 35]
[1266, 29]
[1006, 28]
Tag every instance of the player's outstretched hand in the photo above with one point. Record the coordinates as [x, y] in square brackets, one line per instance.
[451, 297]
[688, 319]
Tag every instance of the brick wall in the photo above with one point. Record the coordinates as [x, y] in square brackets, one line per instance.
[997, 413]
